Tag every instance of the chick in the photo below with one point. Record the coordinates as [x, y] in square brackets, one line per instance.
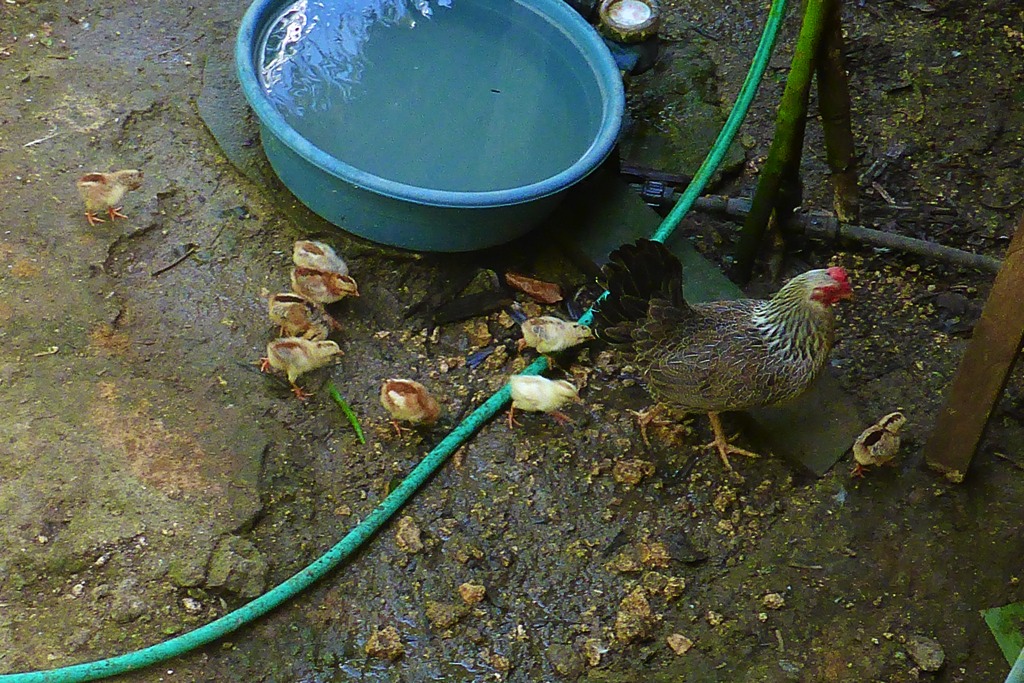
[321, 286]
[318, 256]
[549, 334]
[878, 444]
[295, 356]
[540, 394]
[299, 317]
[104, 191]
[409, 401]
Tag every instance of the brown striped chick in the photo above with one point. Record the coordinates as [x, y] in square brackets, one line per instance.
[408, 401]
[539, 394]
[104, 191]
[318, 256]
[296, 356]
[878, 444]
[548, 334]
[321, 286]
[299, 317]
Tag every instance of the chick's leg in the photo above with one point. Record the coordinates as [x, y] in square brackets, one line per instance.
[512, 417]
[559, 417]
[721, 442]
[115, 212]
[299, 392]
[93, 218]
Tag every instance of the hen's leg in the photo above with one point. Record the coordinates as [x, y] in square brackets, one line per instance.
[93, 218]
[721, 442]
[645, 418]
[115, 212]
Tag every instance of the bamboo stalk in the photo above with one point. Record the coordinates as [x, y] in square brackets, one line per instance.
[783, 162]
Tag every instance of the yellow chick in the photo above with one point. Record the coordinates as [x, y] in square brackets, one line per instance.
[295, 356]
[408, 401]
[540, 394]
[104, 191]
[299, 317]
[878, 444]
[321, 286]
[549, 334]
[318, 256]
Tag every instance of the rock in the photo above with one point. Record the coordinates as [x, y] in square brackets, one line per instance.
[128, 603]
[592, 650]
[674, 587]
[632, 472]
[407, 536]
[635, 619]
[624, 562]
[472, 593]
[566, 659]
[679, 643]
[478, 333]
[191, 605]
[237, 565]
[385, 643]
[499, 663]
[926, 652]
[443, 615]
[653, 554]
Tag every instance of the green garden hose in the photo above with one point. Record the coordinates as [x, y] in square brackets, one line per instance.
[131, 661]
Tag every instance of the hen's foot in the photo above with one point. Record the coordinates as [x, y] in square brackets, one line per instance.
[93, 218]
[115, 212]
[264, 365]
[721, 442]
[858, 470]
[512, 421]
[645, 418]
[300, 393]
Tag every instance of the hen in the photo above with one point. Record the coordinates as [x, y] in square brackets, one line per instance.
[722, 355]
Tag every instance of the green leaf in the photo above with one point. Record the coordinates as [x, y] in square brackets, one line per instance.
[1007, 625]
[352, 419]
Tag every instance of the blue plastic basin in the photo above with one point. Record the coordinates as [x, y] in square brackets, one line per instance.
[397, 213]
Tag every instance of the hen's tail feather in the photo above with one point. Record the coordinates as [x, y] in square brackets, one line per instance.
[636, 275]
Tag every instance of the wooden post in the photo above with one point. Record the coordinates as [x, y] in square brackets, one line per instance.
[834, 105]
[983, 373]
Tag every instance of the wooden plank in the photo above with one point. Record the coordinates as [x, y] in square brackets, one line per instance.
[814, 430]
[984, 370]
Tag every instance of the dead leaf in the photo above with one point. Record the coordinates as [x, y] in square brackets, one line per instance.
[544, 292]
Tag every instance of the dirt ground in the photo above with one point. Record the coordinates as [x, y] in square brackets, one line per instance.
[151, 479]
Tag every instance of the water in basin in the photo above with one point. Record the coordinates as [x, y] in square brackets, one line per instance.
[463, 95]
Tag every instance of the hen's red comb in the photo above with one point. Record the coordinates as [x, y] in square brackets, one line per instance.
[838, 274]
